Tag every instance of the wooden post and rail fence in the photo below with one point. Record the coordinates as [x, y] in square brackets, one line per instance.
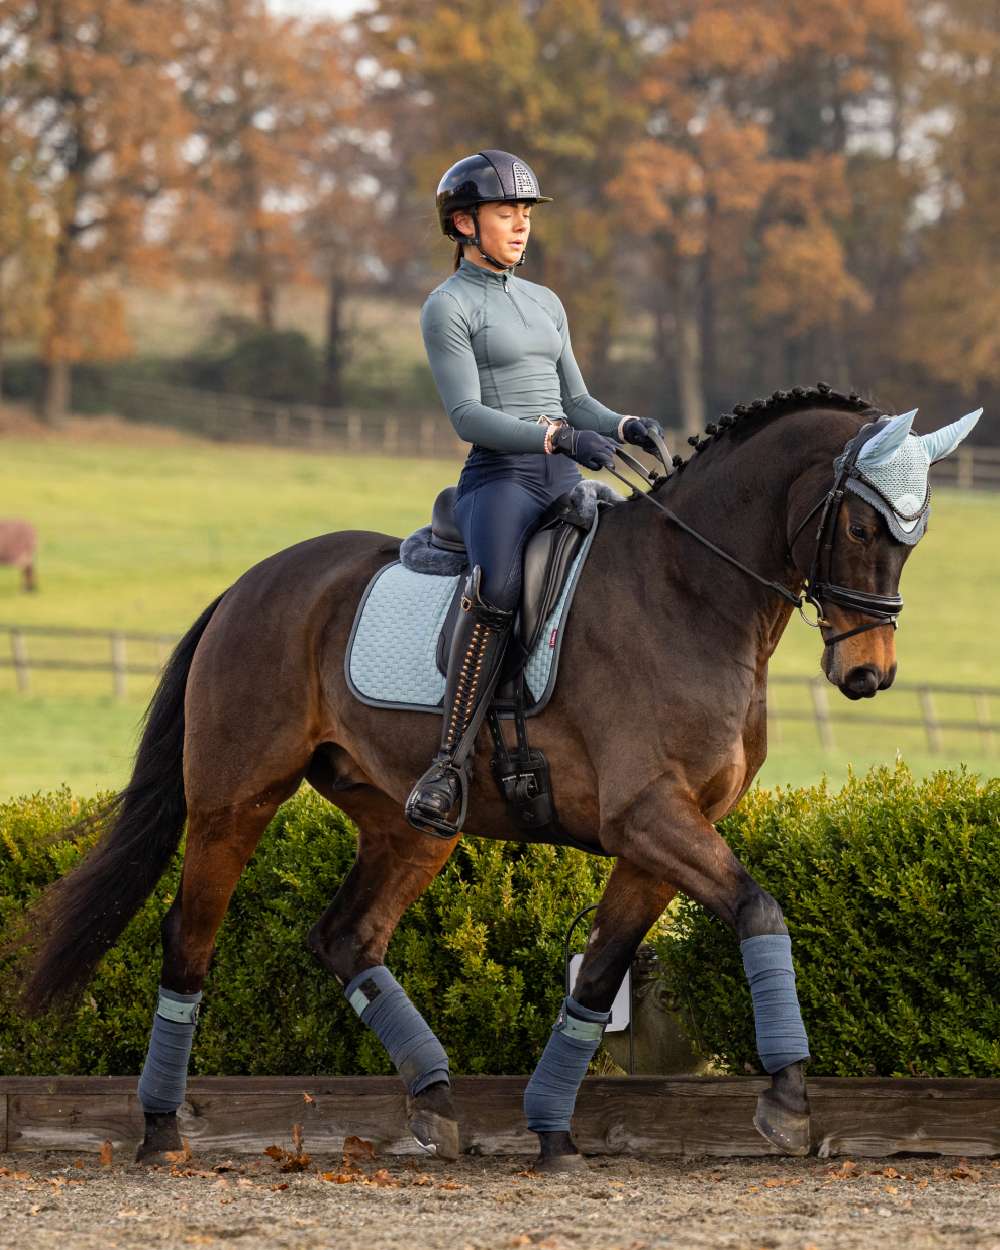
[240, 418]
[29, 653]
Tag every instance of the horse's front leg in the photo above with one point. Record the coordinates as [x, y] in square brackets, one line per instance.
[629, 907]
[667, 836]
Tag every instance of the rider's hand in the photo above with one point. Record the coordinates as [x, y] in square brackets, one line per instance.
[636, 430]
[586, 447]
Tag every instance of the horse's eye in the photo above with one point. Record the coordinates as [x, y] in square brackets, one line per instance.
[858, 531]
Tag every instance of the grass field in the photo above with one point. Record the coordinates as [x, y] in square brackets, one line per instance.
[142, 535]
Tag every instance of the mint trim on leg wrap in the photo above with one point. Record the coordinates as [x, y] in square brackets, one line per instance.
[164, 1074]
[781, 1035]
[550, 1095]
[383, 1006]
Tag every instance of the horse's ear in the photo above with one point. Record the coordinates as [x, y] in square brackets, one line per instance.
[943, 442]
[881, 447]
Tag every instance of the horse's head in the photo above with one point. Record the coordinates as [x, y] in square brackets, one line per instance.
[865, 528]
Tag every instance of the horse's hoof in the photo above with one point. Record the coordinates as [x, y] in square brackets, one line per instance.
[436, 1134]
[788, 1130]
[161, 1138]
[560, 1163]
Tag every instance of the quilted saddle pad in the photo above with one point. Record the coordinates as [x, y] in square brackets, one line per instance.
[391, 653]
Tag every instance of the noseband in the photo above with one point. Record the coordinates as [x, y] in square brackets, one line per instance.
[818, 588]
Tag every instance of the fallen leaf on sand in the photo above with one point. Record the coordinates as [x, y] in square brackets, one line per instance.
[227, 1166]
[288, 1161]
[357, 1150]
[308, 1098]
[450, 1185]
[107, 1153]
[382, 1177]
[421, 1178]
[178, 1156]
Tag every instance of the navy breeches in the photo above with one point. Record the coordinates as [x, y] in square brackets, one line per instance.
[500, 498]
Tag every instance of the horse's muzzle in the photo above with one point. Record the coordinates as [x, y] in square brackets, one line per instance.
[864, 681]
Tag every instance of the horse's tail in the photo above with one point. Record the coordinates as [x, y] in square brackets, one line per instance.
[83, 914]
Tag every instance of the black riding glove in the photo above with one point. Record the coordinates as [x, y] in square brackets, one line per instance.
[636, 431]
[586, 447]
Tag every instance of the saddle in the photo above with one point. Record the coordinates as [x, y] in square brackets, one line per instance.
[548, 556]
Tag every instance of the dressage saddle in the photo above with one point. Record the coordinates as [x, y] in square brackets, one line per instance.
[548, 556]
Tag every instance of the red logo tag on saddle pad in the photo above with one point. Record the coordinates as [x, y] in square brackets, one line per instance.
[552, 638]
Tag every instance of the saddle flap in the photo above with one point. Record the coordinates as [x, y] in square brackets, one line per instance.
[547, 559]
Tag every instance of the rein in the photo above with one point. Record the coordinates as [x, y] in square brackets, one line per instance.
[885, 608]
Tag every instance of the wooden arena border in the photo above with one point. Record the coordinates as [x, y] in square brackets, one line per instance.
[615, 1115]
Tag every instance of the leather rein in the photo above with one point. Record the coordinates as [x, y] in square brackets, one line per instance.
[818, 588]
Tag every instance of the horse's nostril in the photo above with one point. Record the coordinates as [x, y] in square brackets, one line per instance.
[863, 681]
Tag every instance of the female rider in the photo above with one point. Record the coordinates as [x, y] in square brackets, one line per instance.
[500, 353]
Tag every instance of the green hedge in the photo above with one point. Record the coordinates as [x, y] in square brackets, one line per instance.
[891, 891]
[480, 953]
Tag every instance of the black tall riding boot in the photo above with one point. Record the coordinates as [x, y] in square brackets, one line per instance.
[477, 650]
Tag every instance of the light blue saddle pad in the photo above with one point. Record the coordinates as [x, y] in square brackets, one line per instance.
[391, 654]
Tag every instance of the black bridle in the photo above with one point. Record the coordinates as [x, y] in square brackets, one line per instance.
[818, 588]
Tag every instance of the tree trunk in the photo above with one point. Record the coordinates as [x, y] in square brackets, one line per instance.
[334, 351]
[55, 399]
[688, 317]
[267, 302]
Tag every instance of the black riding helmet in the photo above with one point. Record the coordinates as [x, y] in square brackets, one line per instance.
[485, 177]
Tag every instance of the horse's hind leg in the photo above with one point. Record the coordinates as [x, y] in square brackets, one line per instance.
[393, 867]
[632, 902]
[218, 847]
[30, 581]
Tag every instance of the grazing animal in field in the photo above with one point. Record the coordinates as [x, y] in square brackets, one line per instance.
[18, 544]
[655, 730]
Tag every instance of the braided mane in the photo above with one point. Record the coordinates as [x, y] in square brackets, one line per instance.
[746, 419]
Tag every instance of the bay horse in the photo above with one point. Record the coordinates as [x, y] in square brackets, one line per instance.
[656, 728]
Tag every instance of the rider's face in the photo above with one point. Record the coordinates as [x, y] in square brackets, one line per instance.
[503, 229]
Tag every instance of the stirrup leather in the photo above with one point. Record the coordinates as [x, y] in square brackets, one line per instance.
[478, 646]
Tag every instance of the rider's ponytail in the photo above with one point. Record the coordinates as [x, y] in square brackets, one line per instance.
[458, 255]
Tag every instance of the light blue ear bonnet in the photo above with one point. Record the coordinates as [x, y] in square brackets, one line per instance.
[891, 471]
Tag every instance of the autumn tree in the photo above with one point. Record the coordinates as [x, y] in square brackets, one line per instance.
[90, 86]
[545, 80]
[264, 93]
[737, 186]
[952, 296]
[25, 245]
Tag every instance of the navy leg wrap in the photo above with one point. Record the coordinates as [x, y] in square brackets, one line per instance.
[781, 1035]
[381, 1002]
[164, 1074]
[550, 1095]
